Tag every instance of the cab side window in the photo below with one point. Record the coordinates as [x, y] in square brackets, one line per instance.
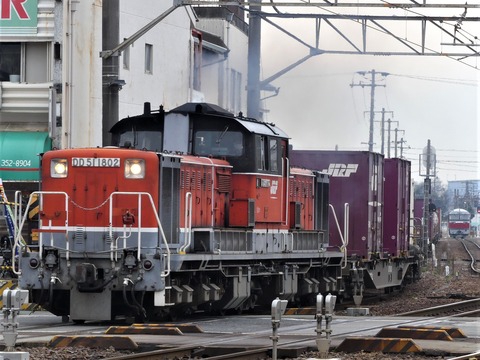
[260, 152]
[273, 144]
[267, 153]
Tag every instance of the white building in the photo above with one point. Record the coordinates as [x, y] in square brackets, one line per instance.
[56, 90]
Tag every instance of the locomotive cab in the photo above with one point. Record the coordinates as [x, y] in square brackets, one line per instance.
[143, 132]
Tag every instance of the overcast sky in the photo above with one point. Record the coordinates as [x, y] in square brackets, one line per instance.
[432, 97]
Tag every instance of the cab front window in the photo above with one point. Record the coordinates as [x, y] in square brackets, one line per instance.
[218, 143]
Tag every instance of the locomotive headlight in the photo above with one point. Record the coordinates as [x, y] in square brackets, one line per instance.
[58, 168]
[134, 168]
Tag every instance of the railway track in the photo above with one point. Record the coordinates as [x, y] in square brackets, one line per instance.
[243, 337]
[461, 308]
[396, 338]
[473, 250]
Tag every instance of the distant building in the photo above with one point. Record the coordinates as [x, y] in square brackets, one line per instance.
[57, 91]
[464, 194]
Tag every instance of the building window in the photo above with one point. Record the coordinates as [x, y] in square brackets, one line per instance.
[10, 60]
[126, 58]
[148, 58]
[28, 62]
[37, 59]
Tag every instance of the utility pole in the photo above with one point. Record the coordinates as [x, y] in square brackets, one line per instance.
[428, 160]
[396, 141]
[389, 121]
[373, 84]
[254, 45]
[401, 146]
[382, 131]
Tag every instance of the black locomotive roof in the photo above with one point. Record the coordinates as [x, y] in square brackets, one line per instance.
[150, 118]
[139, 121]
[252, 125]
[201, 108]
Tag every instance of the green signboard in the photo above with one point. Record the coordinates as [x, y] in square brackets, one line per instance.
[18, 17]
[19, 160]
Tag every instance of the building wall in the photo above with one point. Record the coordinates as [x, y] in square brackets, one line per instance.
[464, 194]
[230, 91]
[82, 73]
[170, 81]
[25, 102]
[64, 91]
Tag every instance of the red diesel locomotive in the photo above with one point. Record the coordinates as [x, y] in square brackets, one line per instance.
[198, 209]
[191, 209]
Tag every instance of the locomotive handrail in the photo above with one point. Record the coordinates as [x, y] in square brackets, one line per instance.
[346, 222]
[139, 194]
[18, 235]
[286, 170]
[345, 225]
[17, 214]
[188, 223]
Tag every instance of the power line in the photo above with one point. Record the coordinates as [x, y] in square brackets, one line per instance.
[466, 82]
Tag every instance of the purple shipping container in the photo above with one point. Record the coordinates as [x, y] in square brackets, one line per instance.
[396, 229]
[356, 178]
[418, 210]
[434, 222]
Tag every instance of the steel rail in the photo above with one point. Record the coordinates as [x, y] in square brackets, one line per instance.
[463, 306]
[472, 257]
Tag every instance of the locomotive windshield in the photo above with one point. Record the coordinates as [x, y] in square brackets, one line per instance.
[140, 139]
[218, 143]
[150, 140]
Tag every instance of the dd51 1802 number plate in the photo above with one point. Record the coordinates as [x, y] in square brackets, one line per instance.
[96, 162]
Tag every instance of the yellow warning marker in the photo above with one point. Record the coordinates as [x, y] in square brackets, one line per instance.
[185, 328]
[424, 334]
[144, 330]
[454, 332]
[301, 311]
[117, 342]
[372, 344]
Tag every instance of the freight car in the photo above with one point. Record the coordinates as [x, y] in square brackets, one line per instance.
[191, 209]
[377, 194]
[459, 223]
[432, 223]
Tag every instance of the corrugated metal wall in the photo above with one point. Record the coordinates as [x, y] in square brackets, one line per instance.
[26, 98]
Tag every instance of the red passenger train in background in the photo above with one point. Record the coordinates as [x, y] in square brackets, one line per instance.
[459, 223]
[198, 209]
